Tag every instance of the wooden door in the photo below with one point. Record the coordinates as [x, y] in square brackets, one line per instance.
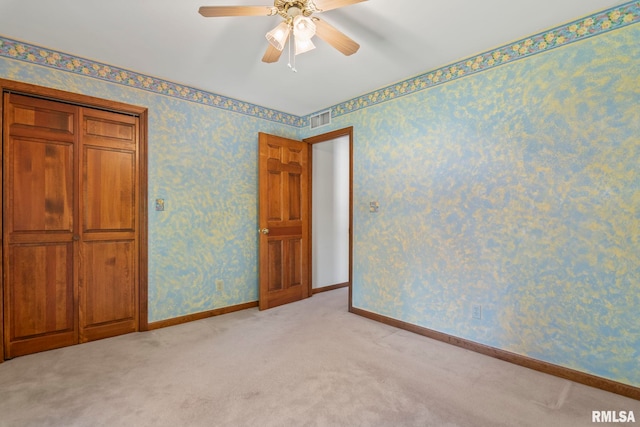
[40, 227]
[109, 244]
[71, 226]
[283, 221]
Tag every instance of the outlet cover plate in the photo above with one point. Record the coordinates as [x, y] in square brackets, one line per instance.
[476, 311]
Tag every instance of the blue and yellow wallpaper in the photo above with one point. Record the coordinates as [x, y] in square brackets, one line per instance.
[507, 181]
[203, 162]
[516, 189]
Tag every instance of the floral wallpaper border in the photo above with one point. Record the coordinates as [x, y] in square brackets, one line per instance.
[607, 20]
[61, 61]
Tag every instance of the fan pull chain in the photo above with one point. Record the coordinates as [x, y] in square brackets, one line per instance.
[293, 68]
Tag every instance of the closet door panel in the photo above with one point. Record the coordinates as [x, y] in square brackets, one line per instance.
[109, 194]
[42, 177]
[109, 274]
[40, 230]
[108, 289]
[41, 298]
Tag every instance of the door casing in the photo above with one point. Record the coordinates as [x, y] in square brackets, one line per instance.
[9, 86]
[324, 138]
[314, 140]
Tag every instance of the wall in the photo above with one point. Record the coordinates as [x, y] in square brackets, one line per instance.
[515, 189]
[203, 162]
[330, 228]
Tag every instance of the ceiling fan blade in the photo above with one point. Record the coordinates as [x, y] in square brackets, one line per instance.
[334, 4]
[335, 37]
[272, 54]
[215, 11]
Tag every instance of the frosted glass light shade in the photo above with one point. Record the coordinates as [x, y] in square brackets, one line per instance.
[279, 35]
[303, 27]
[303, 45]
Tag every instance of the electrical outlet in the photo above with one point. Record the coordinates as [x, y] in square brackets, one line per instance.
[219, 285]
[476, 312]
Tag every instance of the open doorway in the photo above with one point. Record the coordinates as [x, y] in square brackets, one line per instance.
[331, 209]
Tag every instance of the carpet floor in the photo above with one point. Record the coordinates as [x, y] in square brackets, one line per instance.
[310, 363]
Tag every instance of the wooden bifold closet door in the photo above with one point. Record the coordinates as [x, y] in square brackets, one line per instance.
[71, 189]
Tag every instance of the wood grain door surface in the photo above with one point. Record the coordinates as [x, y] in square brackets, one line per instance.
[108, 240]
[70, 235]
[40, 226]
[283, 221]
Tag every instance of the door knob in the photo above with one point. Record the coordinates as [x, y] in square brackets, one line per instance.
[265, 231]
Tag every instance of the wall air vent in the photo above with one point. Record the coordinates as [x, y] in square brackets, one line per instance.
[320, 119]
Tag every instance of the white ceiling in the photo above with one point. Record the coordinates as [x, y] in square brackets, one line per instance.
[170, 40]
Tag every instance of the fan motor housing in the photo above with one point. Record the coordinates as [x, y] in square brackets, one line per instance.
[304, 7]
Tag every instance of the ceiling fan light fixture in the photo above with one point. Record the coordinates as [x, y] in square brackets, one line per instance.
[297, 29]
[303, 45]
[279, 35]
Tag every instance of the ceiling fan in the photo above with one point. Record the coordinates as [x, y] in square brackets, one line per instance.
[299, 25]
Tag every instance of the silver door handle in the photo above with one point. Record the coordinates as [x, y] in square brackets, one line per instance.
[264, 231]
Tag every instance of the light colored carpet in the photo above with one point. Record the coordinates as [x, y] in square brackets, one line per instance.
[309, 363]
